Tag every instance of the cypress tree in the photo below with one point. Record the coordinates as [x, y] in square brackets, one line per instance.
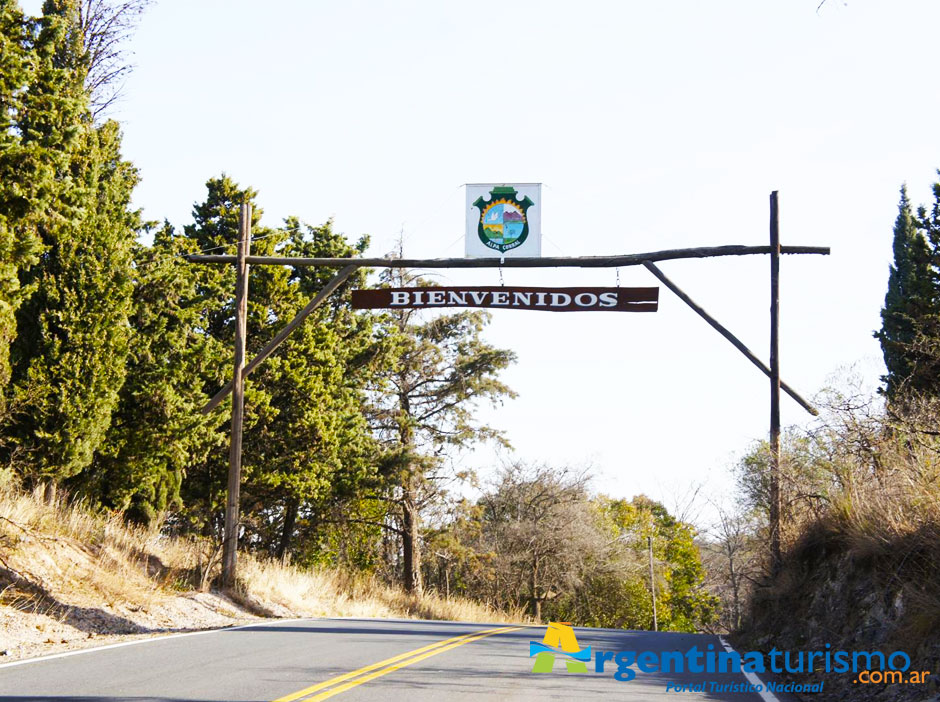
[909, 309]
[19, 243]
[929, 223]
[157, 430]
[72, 335]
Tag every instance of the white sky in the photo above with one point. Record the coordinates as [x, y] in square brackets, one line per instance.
[652, 125]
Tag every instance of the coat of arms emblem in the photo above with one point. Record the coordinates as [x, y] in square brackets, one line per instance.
[503, 223]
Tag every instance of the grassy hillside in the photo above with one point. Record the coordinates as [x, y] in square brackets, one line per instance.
[861, 569]
[70, 577]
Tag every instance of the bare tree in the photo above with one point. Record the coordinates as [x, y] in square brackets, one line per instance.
[106, 26]
[733, 560]
[685, 501]
[539, 525]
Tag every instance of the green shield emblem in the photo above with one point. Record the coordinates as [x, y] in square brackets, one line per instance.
[503, 223]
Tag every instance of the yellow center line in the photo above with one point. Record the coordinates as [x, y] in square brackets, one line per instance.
[410, 661]
[390, 664]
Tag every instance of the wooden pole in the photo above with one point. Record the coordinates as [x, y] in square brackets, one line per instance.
[318, 300]
[522, 262]
[649, 545]
[230, 538]
[721, 329]
[775, 516]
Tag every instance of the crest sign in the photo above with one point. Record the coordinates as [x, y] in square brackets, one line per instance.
[504, 220]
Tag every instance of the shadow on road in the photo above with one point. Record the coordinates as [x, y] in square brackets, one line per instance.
[96, 698]
[417, 627]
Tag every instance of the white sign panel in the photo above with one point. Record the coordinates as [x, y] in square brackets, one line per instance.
[504, 220]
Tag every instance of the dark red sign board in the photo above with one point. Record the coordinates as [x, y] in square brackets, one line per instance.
[512, 298]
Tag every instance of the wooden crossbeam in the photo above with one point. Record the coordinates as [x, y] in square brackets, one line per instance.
[527, 262]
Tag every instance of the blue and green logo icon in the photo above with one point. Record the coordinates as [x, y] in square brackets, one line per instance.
[559, 640]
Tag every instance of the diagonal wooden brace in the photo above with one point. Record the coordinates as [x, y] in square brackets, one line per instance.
[652, 268]
[318, 300]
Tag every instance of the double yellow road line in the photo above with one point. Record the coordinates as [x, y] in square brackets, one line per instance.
[346, 681]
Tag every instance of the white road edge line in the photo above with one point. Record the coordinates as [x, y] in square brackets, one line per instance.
[752, 678]
[151, 640]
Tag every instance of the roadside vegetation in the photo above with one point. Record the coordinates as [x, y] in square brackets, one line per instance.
[76, 576]
[861, 495]
[353, 498]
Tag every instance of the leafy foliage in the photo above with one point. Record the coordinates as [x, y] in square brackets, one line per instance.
[72, 336]
[683, 604]
[910, 313]
[111, 347]
[158, 429]
[423, 406]
[538, 539]
[19, 204]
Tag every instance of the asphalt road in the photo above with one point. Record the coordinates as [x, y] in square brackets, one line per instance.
[353, 660]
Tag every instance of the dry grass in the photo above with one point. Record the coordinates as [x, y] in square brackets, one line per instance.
[335, 593]
[67, 553]
[859, 570]
[69, 550]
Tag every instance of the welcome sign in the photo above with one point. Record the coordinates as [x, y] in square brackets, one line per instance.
[512, 298]
[504, 220]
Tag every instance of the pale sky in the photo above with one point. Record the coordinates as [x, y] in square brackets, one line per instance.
[652, 125]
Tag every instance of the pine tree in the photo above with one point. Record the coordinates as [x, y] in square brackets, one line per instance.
[306, 441]
[72, 335]
[215, 229]
[161, 453]
[425, 406]
[909, 309]
[315, 446]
